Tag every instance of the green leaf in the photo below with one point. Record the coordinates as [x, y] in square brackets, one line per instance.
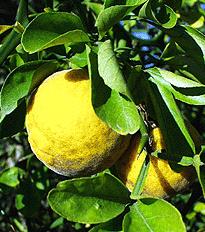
[14, 122]
[91, 200]
[191, 41]
[186, 161]
[20, 226]
[58, 222]
[189, 3]
[189, 53]
[52, 29]
[174, 79]
[171, 50]
[79, 60]
[109, 69]
[200, 208]
[15, 61]
[174, 110]
[136, 82]
[114, 13]
[21, 81]
[95, 7]
[153, 215]
[159, 12]
[10, 177]
[171, 123]
[119, 112]
[187, 66]
[198, 37]
[187, 90]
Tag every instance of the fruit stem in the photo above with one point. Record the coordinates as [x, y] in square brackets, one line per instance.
[141, 179]
[144, 134]
[144, 169]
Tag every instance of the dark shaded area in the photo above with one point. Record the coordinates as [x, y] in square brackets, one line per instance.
[8, 11]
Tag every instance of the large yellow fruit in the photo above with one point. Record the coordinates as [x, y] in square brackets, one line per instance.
[64, 131]
[161, 180]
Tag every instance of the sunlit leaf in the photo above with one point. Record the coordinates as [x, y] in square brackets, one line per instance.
[21, 81]
[161, 13]
[117, 110]
[66, 28]
[114, 12]
[90, 199]
[153, 215]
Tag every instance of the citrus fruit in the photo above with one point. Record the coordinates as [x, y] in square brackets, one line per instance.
[161, 180]
[64, 131]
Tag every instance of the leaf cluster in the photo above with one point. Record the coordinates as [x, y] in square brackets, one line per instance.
[145, 60]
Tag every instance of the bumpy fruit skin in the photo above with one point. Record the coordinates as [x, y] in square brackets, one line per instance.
[161, 180]
[64, 131]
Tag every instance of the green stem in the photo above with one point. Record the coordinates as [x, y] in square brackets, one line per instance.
[144, 135]
[140, 179]
[144, 169]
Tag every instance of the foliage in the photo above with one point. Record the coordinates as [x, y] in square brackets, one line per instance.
[145, 59]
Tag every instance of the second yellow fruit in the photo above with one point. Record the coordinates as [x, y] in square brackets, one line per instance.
[161, 180]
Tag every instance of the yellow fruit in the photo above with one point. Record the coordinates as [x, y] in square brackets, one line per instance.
[64, 131]
[161, 180]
